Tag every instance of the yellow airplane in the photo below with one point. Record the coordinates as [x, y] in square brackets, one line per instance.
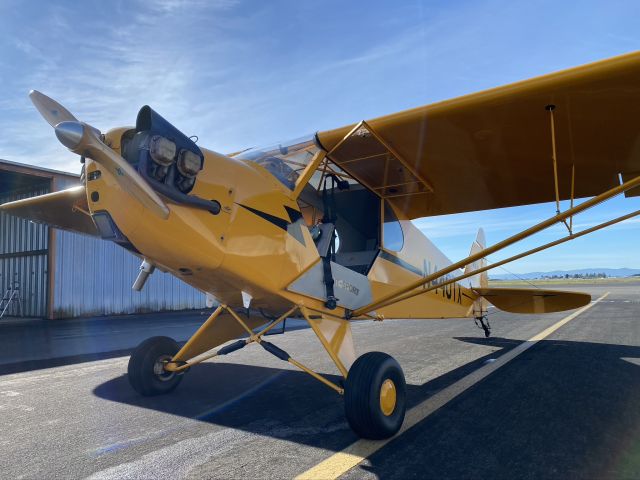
[320, 228]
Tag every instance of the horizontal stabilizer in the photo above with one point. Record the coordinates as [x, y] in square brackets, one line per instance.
[64, 209]
[533, 300]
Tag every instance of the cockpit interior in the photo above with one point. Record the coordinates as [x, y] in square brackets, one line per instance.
[345, 218]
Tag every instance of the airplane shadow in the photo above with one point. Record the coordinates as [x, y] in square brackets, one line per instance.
[285, 404]
[42, 338]
[562, 409]
[571, 409]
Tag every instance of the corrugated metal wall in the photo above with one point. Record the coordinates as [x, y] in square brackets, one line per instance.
[24, 257]
[94, 277]
[90, 276]
[62, 183]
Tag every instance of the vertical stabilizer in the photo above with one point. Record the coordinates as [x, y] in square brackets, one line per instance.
[480, 280]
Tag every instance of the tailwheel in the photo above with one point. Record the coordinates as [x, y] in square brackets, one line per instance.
[374, 395]
[146, 370]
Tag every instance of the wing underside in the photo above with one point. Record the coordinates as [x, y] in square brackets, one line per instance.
[66, 210]
[493, 149]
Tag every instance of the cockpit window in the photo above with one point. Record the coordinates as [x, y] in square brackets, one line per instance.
[392, 236]
[286, 160]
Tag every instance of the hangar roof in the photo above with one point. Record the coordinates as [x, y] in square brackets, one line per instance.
[16, 176]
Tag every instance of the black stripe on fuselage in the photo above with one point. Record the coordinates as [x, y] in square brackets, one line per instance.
[292, 227]
[447, 290]
[401, 263]
[277, 221]
[294, 215]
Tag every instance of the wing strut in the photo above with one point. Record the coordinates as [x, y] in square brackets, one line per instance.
[554, 157]
[399, 294]
[571, 236]
[378, 165]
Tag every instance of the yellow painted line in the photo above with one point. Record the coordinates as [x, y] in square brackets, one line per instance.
[343, 461]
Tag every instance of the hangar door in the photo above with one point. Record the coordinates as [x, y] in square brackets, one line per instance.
[24, 249]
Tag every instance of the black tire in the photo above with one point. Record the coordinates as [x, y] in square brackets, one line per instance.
[362, 396]
[144, 365]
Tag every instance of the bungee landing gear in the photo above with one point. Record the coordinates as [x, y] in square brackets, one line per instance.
[373, 385]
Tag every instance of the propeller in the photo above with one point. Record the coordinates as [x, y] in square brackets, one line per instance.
[86, 140]
[52, 111]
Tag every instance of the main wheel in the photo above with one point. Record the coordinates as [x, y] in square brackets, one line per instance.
[375, 396]
[146, 370]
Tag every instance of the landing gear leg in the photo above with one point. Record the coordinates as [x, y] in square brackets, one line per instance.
[373, 385]
[483, 323]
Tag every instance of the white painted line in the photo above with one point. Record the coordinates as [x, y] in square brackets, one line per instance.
[343, 461]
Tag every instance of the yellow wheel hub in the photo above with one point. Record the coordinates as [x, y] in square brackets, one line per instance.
[388, 397]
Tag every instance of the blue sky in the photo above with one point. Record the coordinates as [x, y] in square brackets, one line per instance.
[241, 74]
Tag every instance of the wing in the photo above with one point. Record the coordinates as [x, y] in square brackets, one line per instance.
[66, 209]
[533, 300]
[493, 149]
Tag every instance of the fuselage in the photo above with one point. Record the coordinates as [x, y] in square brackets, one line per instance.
[259, 242]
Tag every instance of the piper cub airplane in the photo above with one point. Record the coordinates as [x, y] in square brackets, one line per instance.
[320, 227]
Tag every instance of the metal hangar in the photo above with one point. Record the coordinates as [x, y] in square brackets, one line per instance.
[49, 273]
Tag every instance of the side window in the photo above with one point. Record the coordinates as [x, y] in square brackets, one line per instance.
[392, 236]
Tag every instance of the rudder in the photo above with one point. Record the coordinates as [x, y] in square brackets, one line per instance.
[480, 280]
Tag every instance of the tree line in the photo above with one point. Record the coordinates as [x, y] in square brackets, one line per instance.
[576, 275]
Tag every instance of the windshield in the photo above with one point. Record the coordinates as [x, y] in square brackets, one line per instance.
[285, 160]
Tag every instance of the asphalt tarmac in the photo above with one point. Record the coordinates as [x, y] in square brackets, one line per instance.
[567, 407]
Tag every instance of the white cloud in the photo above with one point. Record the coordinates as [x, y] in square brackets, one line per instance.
[171, 6]
[104, 72]
[236, 78]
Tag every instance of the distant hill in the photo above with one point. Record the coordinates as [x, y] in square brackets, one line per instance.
[609, 272]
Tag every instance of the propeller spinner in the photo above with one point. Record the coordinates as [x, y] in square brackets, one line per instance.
[84, 139]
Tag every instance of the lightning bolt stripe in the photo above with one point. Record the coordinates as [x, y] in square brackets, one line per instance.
[291, 226]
